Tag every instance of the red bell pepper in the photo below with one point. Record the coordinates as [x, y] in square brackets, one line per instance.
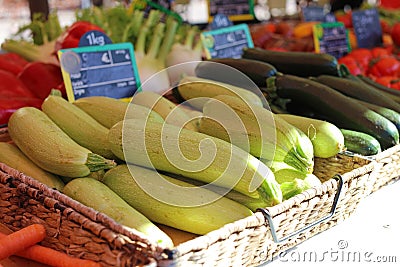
[41, 77]
[389, 81]
[70, 38]
[380, 52]
[11, 86]
[388, 66]
[352, 65]
[362, 56]
[12, 62]
[15, 58]
[395, 33]
[8, 105]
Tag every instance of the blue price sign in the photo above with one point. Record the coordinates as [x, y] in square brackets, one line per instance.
[313, 13]
[331, 38]
[227, 42]
[108, 70]
[367, 28]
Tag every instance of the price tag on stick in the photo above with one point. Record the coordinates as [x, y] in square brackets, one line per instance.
[331, 38]
[227, 42]
[236, 10]
[108, 70]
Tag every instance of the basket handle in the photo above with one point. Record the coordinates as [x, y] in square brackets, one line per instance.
[268, 215]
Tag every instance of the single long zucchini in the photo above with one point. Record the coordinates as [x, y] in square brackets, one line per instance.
[326, 138]
[341, 110]
[198, 91]
[96, 195]
[358, 91]
[42, 141]
[78, 125]
[263, 134]
[192, 154]
[389, 114]
[361, 143]
[13, 157]
[199, 219]
[303, 64]
[108, 111]
[238, 73]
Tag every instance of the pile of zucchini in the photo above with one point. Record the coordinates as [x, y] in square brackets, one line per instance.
[314, 86]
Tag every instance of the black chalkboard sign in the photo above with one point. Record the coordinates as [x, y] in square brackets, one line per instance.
[108, 70]
[227, 42]
[367, 28]
[236, 10]
[331, 38]
[313, 13]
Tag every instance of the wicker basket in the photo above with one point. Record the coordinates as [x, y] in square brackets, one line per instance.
[71, 227]
[389, 169]
[82, 232]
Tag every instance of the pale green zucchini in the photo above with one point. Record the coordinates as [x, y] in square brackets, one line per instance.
[199, 90]
[12, 156]
[195, 219]
[327, 139]
[41, 140]
[257, 130]
[95, 194]
[194, 155]
[78, 125]
[108, 111]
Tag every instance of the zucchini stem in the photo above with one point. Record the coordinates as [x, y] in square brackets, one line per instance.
[96, 163]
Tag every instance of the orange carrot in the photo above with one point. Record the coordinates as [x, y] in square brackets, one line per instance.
[21, 240]
[52, 257]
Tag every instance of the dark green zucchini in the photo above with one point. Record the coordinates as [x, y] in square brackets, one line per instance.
[358, 90]
[389, 114]
[301, 109]
[303, 64]
[256, 70]
[360, 143]
[341, 110]
[388, 92]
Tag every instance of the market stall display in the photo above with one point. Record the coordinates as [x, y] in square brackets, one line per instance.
[317, 135]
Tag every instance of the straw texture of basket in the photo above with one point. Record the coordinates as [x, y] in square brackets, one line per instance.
[389, 169]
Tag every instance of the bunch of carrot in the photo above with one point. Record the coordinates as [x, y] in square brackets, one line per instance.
[23, 243]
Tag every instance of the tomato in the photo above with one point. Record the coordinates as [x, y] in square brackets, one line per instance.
[351, 64]
[379, 52]
[345, 18]
[395, 33]
[390, 4]
[385, 80]
[386, 28]
[362, 56]
[388, 66]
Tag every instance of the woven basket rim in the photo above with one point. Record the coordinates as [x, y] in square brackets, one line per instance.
[386, 153]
